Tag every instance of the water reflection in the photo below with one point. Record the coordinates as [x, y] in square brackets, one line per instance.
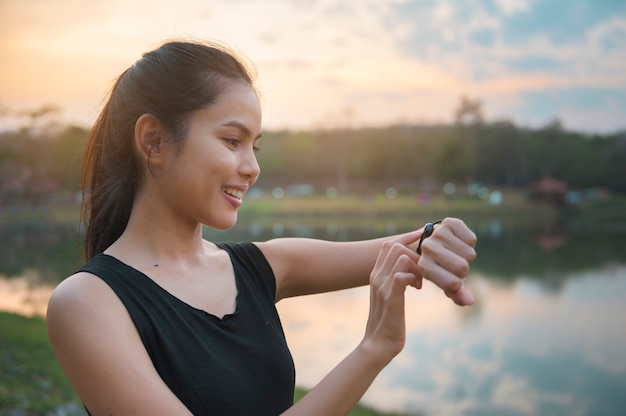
[522, 350]
[52, 251]
[545, 336]
[27, 294]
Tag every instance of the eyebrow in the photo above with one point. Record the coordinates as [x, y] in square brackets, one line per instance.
[242, 127]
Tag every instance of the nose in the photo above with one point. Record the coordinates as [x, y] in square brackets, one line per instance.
[249, 166]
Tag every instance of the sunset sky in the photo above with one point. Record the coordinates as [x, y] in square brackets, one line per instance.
[325, 63]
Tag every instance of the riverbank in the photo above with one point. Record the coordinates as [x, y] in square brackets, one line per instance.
[260, 206]
[513, 206]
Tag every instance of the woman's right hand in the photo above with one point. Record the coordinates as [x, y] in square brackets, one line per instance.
[395, 269]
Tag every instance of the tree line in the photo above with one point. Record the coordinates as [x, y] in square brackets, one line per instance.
[39, 164]
[414, 157]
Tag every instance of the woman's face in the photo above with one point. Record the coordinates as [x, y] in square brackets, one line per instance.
[216, 165]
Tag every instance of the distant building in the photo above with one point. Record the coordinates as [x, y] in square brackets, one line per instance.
[549, 190]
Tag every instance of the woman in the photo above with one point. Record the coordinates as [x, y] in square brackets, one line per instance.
[162, 322]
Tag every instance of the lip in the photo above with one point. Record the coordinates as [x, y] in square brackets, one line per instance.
[234, 200]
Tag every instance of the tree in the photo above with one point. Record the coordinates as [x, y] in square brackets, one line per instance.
[468, 118]
[41, 117]
[469, 112]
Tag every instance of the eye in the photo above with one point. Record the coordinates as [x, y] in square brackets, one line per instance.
[255, 145]
[234, 143]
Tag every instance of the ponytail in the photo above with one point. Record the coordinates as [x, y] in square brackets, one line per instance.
[110, 174]
[170, 83]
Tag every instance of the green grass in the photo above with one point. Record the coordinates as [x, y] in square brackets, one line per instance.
[50, 214]
[32, 380]
[405, 211]
[354, 208]
[514, 202]
[515, 207]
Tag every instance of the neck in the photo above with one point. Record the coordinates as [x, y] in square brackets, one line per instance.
[155, 235]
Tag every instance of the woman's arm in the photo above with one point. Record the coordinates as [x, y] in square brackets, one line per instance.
[445, 260]
[305, 266]
[101, 353]
[343, 387]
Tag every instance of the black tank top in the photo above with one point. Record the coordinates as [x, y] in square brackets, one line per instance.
[237, 365]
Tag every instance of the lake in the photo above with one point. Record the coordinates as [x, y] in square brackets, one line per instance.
[546, 336]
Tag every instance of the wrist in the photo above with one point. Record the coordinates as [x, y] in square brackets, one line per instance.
[378, 353]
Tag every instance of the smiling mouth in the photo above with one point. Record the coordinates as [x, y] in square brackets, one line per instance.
[234, 192]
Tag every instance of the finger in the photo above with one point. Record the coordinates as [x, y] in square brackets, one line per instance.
[451, 284]
[441, 275]
[402, 239]
[451, 242]
[387, 288]
[384, 283]
[417, 284]
[460, 230]
[383, 255]
[391, 250]
[438, 255]
[400, 281]
[393, 298]
[400, 260]
[461, 297]
[408, 238]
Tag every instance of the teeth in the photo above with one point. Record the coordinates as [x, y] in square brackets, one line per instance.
[234, 192]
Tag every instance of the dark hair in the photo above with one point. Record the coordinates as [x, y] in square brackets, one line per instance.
[170, 83]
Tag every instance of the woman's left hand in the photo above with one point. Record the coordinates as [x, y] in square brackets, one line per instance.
[446, 257]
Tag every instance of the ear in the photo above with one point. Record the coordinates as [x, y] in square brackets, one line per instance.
[149, 139]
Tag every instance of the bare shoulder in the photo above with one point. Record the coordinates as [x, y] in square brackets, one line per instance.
[82, 293]
[82, 311]
[101, 352]
[282, 252]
